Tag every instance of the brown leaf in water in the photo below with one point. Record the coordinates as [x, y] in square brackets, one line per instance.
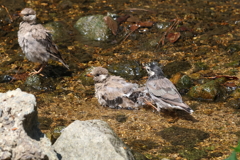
[140, 24]
[134, 27]
[133, 19]
[220, 76]
[112, 25]
[22, 76]
[230, 84]
[122, 19]
[173, 37]
[145, 24]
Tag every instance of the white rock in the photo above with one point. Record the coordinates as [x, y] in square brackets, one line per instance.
[20, 137]
[91, 140]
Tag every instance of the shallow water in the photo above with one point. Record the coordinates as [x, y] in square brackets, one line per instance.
[210, 37]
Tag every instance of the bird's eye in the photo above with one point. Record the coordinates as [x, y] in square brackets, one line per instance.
[97, 75]
[27, 14]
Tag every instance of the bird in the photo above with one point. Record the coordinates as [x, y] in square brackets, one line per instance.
[36, 41]
[114, 91]
[162, 91]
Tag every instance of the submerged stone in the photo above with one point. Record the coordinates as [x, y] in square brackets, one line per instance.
[175, 67]
[65, 4]
[233, 103]
[209, 91]
[34, 81]
[5, 78]
[182, 82]
[58, 30]
[93, 27]
[200, 66]
[162, 26]
[130, 70]
[37, 82]
[121, 118]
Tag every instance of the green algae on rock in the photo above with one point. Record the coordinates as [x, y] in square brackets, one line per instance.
[130, 70]
[184, 83]
[59, 31]
[209, 91]
[93, 27]
[37, 82]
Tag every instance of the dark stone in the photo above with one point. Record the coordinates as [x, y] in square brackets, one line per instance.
[184, 84]
[5, 78]
[233, 103]
[200, 66]
[121, 118]
[210, 91]
[59, 30]
[175, 67]
[130, 70]
[65, 4]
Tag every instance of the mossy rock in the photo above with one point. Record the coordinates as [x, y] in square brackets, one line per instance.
[93, 27]
[175, 67]
[209, 91]
[130, 70]
[59, 31]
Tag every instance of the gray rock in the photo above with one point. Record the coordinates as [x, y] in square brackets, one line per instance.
[93, 27]
[20, 137]
[92, 139]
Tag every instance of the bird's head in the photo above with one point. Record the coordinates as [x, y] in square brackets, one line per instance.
[99, 74]
[28, 15]
[153, 69]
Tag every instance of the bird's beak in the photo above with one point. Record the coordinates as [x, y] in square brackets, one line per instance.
[19, 14]
[89, 75]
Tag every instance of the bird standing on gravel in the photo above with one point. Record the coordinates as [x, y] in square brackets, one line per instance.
[162, 91]
[36, 41]
[113, 91]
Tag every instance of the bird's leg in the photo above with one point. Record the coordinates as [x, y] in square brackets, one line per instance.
[40, 70]
[149, 103]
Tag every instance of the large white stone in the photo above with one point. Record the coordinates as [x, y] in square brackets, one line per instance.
[91, 140]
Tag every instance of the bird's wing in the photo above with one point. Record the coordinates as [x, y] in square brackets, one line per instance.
[111, 95]
[43, 36]
[123, 87]
[164, 89]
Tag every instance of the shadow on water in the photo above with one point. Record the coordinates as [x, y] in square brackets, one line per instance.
[183, 141]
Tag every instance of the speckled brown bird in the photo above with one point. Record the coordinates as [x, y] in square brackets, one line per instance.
[36, 41]
[162, 91]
